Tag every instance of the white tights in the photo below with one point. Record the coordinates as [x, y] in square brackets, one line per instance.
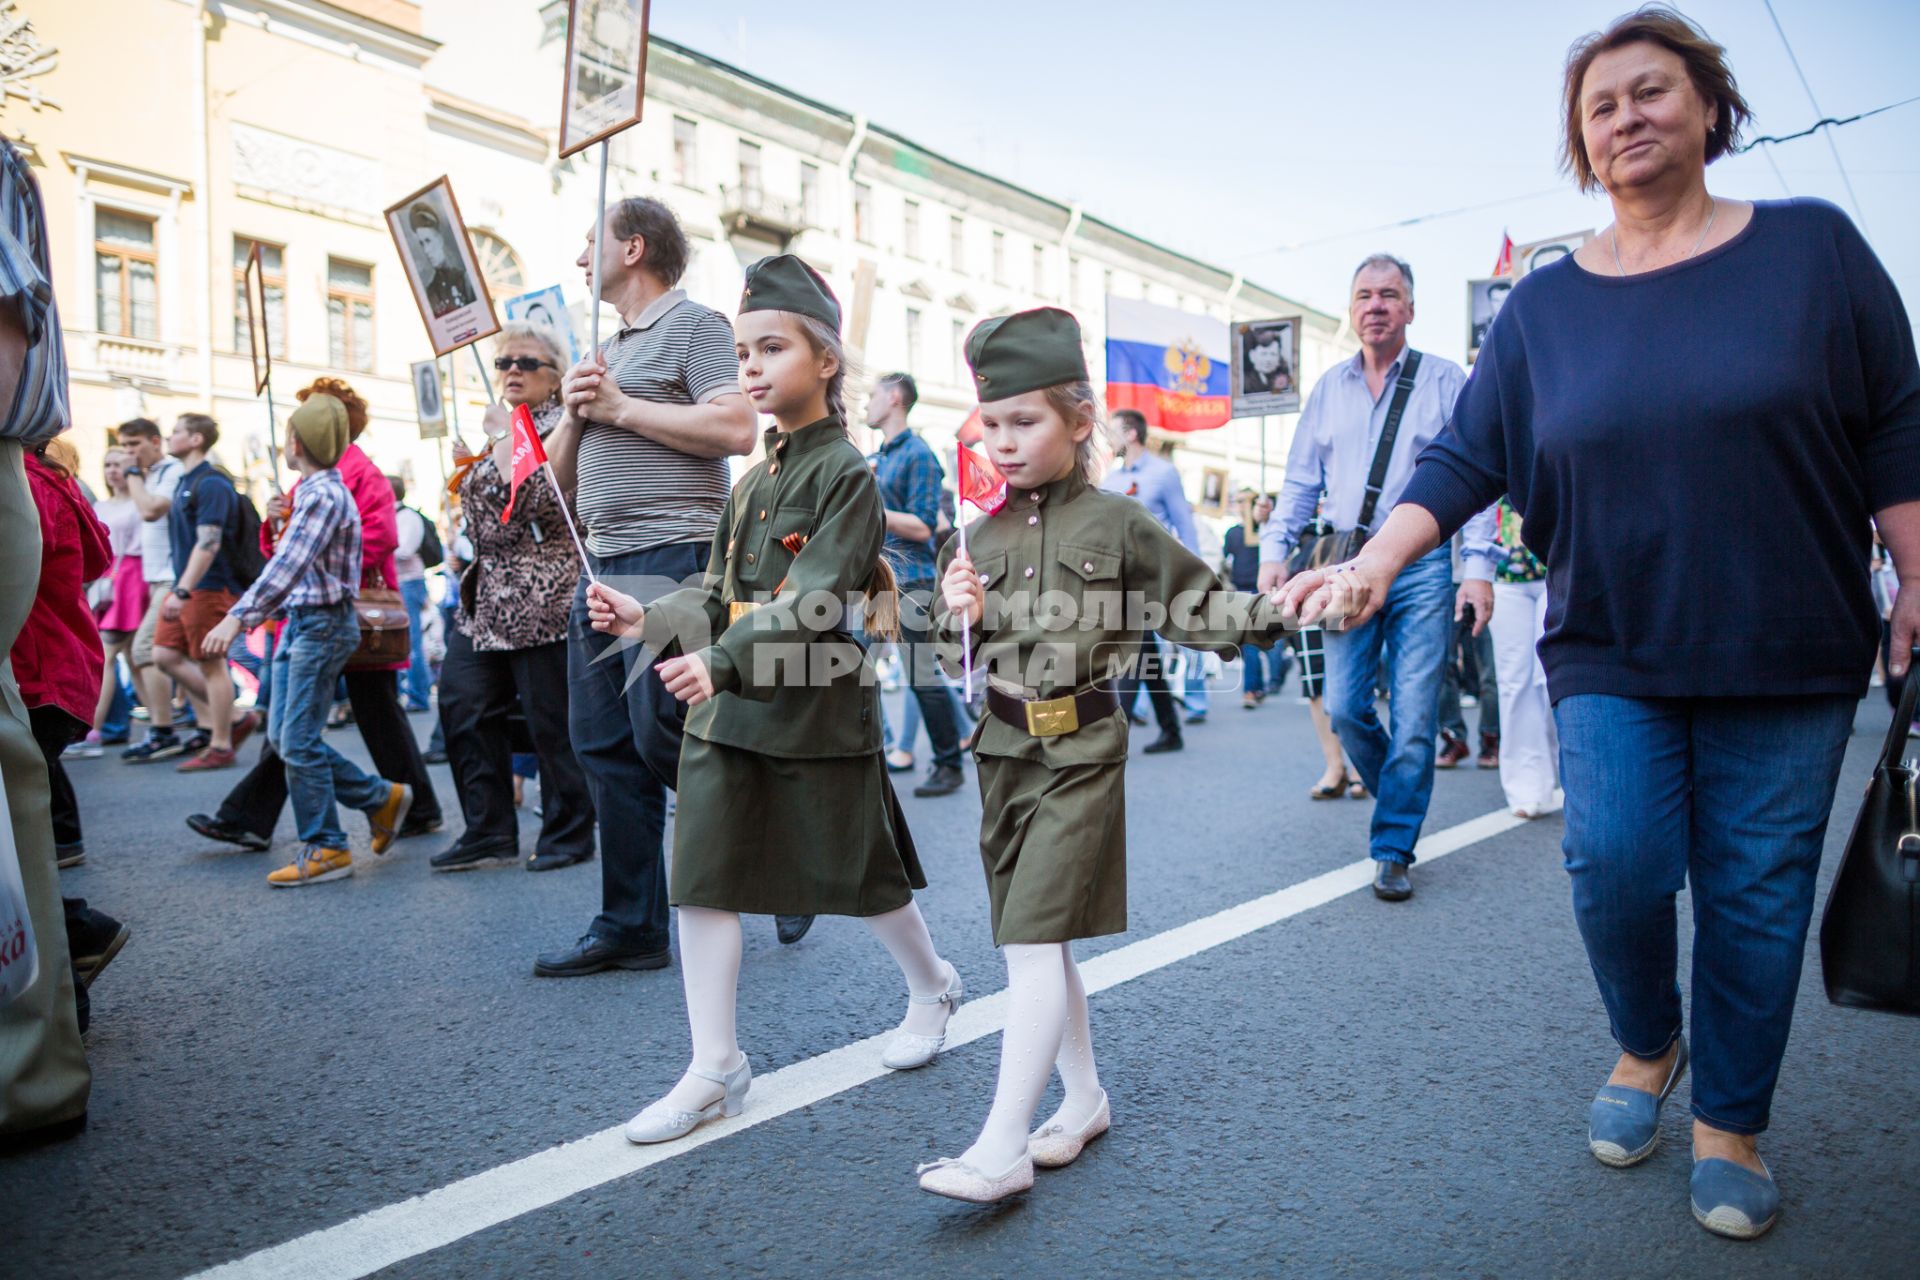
[1047, 1027]
[710, 972]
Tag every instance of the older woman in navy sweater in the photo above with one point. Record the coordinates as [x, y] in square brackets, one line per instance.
[1697, 415]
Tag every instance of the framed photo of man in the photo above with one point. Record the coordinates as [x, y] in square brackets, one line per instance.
[1484, 300]
[254, 289]
[547, 308]
[428, 405]
[441, 266]
[606, 71]
[1266, 366]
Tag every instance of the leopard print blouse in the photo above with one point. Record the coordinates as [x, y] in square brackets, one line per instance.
[525, 589]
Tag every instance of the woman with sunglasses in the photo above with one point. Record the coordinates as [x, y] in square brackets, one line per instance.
[508, 649]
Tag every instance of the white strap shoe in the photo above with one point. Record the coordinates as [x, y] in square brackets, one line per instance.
[909, 1049]
[1053, 1146]
[958, 1180]
[662, 1123]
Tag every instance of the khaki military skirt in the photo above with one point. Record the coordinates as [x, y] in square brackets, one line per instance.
[1054, 843]
[765, 835]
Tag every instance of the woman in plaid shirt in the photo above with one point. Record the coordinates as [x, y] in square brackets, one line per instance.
[311, 582]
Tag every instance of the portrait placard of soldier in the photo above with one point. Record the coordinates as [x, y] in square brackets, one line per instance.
[1484, 300]
[427, 402]
[1266, 367]
[441, 267]
[606, 70]
[547, 308]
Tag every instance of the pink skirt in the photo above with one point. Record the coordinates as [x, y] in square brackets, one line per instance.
[128, 608]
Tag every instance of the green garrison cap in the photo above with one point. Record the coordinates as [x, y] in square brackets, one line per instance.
[1012, 355]
[784, 283]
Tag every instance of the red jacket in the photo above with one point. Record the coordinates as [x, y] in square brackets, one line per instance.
[379, 528]
[57, 658]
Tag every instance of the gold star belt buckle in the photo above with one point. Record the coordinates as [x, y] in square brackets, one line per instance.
[1052, 717]
[739, 609]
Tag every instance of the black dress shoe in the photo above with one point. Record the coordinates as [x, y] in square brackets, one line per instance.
[1390, 882]
[227, 832]
[420, 826]
[594, 954]
[69, 855]
[555, 861]
[464, 856]
[435, 756]
[790, 929]
[1137, 721]
[942, 780]
[1165, 742]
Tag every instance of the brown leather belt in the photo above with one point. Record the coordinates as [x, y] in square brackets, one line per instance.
[1051, 717]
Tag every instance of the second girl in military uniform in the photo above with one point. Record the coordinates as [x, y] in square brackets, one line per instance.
[1063, 565]
[784, 804]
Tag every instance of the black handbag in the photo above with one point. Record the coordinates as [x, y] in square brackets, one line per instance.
[1870, 932]
[1317, 551]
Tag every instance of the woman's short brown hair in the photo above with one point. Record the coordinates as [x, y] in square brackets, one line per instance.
[346, 395]
[1706, 64]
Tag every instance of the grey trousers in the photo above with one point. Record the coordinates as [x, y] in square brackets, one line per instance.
[43, 1067]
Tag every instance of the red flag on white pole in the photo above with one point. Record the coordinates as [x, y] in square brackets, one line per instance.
[981, 484]
[529, 456]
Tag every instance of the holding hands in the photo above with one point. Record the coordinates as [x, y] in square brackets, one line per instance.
[965, 596]
[1339, 596]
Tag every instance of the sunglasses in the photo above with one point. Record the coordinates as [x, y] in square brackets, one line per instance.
[525, 364]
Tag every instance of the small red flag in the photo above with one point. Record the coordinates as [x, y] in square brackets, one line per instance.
[971, 432]
[981, 482]
[529, 455]
[1503, 265]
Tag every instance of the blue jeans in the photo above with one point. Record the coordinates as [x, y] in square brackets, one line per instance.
[627, 738]
[314, 647]
[1397, 766]
[1196, 681]
[1732, 794]
[120, 711]
[417, 682]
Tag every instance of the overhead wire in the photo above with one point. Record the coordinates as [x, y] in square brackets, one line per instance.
[1831, 144]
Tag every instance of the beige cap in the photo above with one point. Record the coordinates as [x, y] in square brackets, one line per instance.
[321, 424]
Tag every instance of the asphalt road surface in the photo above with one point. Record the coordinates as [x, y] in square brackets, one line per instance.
[1322, 1084]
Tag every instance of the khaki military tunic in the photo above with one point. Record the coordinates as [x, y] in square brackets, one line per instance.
[783, 802]
[1073, 576]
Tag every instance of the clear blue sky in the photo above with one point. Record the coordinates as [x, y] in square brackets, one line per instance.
[1228, 129]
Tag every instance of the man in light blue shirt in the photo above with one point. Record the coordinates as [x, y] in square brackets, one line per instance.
[1155, 483]
[1332, 454]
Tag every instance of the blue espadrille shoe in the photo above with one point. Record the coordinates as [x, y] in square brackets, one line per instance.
[1732, 1200]
[1623, 1126]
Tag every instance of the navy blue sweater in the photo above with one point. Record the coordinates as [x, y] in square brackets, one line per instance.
[1696, 453]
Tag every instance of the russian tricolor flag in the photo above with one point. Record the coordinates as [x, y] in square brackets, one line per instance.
[1170, 365]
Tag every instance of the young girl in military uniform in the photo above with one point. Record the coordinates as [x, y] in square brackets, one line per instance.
[1044, 600]
[784, 804]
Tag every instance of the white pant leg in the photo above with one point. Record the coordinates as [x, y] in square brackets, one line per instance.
[1529, 743]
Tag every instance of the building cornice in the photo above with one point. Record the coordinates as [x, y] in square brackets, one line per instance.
[486, 126]
[326, 24]
[126, 175]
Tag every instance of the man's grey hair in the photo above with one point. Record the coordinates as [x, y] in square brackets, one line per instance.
[527, 331]
[1385, 260]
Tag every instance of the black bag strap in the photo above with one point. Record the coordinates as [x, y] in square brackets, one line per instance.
[1891, 755]
[1383, 452]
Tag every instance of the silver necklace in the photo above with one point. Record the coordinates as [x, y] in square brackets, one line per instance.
[1613, 237]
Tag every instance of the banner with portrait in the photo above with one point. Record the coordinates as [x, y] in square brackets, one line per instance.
[441, 267]
[547, 308]
[1538, 253]
[606, 71]
[1266, 366]
[1484, 300]
[428, 404]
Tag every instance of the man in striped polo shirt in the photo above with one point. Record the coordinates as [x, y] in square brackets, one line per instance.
[642, 449]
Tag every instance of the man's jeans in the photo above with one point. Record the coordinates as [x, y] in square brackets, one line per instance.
[1397, 767]
[628, 741]
[921, 672]
[1486, 681]
[418, 684]
[1731, 795]
[314, 647]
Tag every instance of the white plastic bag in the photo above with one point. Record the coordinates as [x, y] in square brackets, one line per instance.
[19, 958]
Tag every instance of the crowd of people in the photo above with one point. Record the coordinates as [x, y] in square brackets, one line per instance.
[1440, 544]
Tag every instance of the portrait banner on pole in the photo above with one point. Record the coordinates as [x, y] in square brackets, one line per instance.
[428, 404]
[1266, 366]
[442, 268]
[606, 71]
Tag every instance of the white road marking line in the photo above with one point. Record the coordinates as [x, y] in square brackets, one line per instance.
[363, 1245]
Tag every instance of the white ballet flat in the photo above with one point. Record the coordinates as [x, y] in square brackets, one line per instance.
[909, 1049]
[661, 1123]
[1053, 1147]
[958, 1180]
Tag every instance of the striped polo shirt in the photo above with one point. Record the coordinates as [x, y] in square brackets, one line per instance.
[634, 494]
[39, 408]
